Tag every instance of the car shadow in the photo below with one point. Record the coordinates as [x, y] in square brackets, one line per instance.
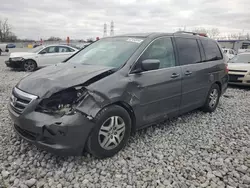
[19, 70]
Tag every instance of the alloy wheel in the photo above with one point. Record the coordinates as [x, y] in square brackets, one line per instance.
[29, 66]
[213, 98]
[111, 132]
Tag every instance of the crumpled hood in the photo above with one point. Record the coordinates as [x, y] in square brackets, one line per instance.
[21, 54]
[52, 79]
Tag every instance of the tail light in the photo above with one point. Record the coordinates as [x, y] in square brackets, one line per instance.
[227, 70]
[203, 34]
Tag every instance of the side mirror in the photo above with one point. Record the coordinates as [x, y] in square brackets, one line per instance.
[150, 64]
[42, 52]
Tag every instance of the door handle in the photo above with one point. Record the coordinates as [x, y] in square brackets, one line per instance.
[187, 73]
[175, 75]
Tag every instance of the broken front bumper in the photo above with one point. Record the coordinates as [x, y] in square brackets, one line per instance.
[14, 64]
[64, 135]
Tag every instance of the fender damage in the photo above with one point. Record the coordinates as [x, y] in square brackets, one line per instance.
[61, 117]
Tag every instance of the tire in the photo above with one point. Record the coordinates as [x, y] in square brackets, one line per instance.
[96, 140]
[210, 106]
[29, 65]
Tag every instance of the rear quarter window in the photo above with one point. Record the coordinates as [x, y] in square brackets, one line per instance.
[188, 50]
[212, 50]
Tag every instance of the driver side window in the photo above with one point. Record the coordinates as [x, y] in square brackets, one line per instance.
[162, 50]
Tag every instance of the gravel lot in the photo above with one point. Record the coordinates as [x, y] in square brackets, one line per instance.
[194, 150]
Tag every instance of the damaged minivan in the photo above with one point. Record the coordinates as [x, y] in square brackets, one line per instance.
[115, 86]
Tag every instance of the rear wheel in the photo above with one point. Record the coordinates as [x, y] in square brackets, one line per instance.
[212, 99]
[29, 65]
[111, 133]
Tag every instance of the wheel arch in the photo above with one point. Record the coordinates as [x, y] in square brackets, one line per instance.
[30, 59]
[130, 111]
[219, 84]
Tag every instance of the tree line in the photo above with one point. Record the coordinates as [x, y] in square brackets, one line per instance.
[6, 34]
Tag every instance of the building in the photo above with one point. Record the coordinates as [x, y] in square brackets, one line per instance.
[237, 45]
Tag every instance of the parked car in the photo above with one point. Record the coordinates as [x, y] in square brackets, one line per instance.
[40, 57]
[239, 69]
[36, 45]
[79, 45]
[243, 50]
[116, 86]
[11, 45]
[229, 52]
[3, 48]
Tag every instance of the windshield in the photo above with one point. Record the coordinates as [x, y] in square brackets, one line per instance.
[111, 52]
[241, 58]
[36, 49]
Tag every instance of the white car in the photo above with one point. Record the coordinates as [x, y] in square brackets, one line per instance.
[40, 56]
[3, 48]
[229, 52]
[239, 69]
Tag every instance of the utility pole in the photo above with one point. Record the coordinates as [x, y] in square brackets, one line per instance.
[112, 28]
[105, 30]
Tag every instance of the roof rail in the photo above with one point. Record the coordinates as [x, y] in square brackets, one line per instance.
[193, 33]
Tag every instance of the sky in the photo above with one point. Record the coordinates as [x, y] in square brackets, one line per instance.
[81, 19]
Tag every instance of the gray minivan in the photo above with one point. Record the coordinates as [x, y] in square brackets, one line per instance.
[96, 98]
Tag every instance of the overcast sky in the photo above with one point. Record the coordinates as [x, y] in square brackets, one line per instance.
[85, 18]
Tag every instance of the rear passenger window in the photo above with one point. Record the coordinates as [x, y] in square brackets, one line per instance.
[189, 52]
[212, 50]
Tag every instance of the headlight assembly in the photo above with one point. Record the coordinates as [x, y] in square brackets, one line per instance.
[17, 59]
[63, 102]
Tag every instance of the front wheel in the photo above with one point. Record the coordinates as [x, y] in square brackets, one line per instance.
[29, 65]
[111, 133]
[212, 99]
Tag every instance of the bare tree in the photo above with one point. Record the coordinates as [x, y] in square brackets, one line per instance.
[5, 32]
[54, 39]
[200, 30]
[212, 33]
[90, 40]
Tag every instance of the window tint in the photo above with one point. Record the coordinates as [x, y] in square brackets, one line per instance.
[161, 49]
[189, 52]
[212, 50]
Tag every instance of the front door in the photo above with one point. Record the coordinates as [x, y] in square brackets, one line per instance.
[47, 56]
[160, 90]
